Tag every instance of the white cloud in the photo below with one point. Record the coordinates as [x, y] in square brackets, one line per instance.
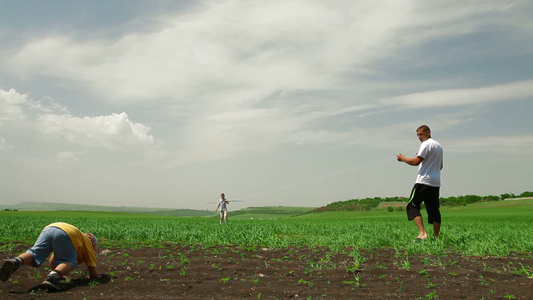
[16, 106]
[113, 131]
[223, 59]
[47, 105]
[11, 104]
[69, 156]
[501, 145]
[445, 98]
[266, 46]
[319, 137]
[228, 134]
[464, 97]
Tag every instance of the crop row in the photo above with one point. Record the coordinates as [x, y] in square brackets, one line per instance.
[481, 236]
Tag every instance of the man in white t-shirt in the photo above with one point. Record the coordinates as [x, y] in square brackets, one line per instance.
[223, 209]
[429, 160]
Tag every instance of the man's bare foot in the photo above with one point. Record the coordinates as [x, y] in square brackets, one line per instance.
[422, 236]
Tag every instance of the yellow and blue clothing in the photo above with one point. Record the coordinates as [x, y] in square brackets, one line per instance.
[67, 243]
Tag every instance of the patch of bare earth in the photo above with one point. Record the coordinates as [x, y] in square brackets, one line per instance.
[228, 272]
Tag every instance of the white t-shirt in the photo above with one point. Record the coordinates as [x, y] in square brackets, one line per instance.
[223, 204]
[429, 170]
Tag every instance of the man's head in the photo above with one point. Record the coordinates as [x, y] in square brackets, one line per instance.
[423, 133]
[93, 240]
[222, 196]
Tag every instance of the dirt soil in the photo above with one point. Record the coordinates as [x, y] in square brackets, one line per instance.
[174, 271]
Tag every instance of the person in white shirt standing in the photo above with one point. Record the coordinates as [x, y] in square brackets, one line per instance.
[429, 160]
[223, 209]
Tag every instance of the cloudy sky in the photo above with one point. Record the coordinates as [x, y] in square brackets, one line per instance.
[300, 103]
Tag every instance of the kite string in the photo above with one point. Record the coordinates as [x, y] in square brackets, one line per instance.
[332, 174]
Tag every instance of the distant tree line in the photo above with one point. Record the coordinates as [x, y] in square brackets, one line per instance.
[369, 203]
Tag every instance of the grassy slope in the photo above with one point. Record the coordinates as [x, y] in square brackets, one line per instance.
[522, 207]
[48, 206]
[247, 213]
[80, 214]
[497, 208]
[265, 212]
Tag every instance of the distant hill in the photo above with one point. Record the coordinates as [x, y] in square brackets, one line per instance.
[266, 212]
[49, 206]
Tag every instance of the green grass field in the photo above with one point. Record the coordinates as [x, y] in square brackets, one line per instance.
[486, 229]
[269, 212]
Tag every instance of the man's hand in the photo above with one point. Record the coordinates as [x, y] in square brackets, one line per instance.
[93, 273]
[415, 161]
[400, 157]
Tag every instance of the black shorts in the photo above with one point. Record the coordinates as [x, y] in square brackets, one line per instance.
[430, 196]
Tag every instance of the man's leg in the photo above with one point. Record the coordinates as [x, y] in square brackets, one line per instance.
[433, 210]
[12, 264]
[422, 234]
[63, 268]
[413, 210]
[52, 280]
[436, 229]
[62, 260]
[27, 259]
